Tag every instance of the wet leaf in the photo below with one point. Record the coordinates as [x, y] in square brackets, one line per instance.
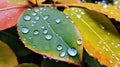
[100, 38]
[7, 57]
[49, 32]
[67, 2]
[109, 10]
[10, 37]
[28, 65]
[9, 18]
[51, 63]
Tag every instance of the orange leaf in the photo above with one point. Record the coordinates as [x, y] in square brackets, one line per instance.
[9, 18]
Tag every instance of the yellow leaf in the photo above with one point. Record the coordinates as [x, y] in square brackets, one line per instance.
[7, 57]
[67, 1]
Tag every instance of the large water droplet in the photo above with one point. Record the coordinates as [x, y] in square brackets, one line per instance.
[58, 20]
[48, 37]
[78, 16]
[25, 30]
[59, 47]
[34, 13]
[62, 54]
[72, 51]
[45, 17]
[79, 41]
[36, 32]
[27, 17]
[45, 31]
[37, 18]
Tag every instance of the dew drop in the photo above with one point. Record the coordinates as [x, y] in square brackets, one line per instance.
[33, 46]
[36, 10]
[112, 43]
[41, 8]
[25, 30]
[48, 37]
[78, 16]
[79, 41]
[30, 38]
[34, 13]
[106, 49]
[44, 57]
[118, 45]
[27, 17]
[67, 16]
[36, 32]
[59, 47]
[82, 13]
[104, 5]
[72, 51]
[42, 27]
[32, 25]
[102, 26]
[58, 20]
[45, 31]
[37, 18]
[62, 54]
[111, 61]
[45, 17]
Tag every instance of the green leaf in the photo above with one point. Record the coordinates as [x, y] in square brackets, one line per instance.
[10, 37]
[7, 57]
[49, 32]
[50, 63]
[17, 1]
[100, 38]
[28, 65]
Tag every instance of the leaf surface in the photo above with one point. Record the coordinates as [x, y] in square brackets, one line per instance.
[7, 57]
[28, 65]
[9, 18]
[49, 32]
[100, 38]
[67, 2]
[109, 10]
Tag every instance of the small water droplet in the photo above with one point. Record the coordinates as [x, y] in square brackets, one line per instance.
[45, 31]
[34, 13]
[67, 16]
[112, 43]
[44, 57]
[102, 26]
[117, 64]
[72, 51]
[28, 8]
[79, 41]
[111, 61]
[59, 47]
[82, 13]
[56, 61]
[78, 16]
[48, 37]
[58, 20]
[45, 17]
[36, 32]
[25, 30]
[33, 46]
[106, 49]
[104, 5]
[37, 18]
[30, 38]
[32, 25]
[27, 17]
[118, 44]
[42, 27]
[36, 10]
[62, 54]
[41, 8]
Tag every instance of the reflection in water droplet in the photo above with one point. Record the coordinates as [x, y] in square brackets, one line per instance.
[72, 51]
[44, 57]
[48, 37]
[67, 16]
[25, 30]
[45, 17]
[62, 54]
[58, 20]
[102, 26]
[37, 18]
[34, 13]
[106, 49]
[79, 41]
[42, 27]
[59, 47]
[36, 32]
[78, 16]
[27, 17]
[45, 31]
[36, 10]
[82, 13]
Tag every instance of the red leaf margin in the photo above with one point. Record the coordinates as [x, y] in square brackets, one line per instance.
[9, 18]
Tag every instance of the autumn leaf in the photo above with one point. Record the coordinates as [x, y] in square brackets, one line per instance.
[100, 38]
[67, 1]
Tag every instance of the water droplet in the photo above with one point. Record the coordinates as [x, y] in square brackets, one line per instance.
[36, 10]
[82, 13]
[48, 37]
[25, 30]
[79, 41]
[117, 64]
[27, 17]
[56, 61]
[112, 43]
[78, 16]
[58, 20]
[118, 45]
[62, 54]
[45, 31]
[72, 51]
[34, 13]
[111, 61]
[44, 57]
[28, 8]
[45, 17]
[41, 8]
[67, 16]
[37, 18]
[102, 26]
[104, 5]
[30, 38]
[33, 46]
[106, 49]
[36, 32]
[32, 25]
[59, 47]
[42, 27]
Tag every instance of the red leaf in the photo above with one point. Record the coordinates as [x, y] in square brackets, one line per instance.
[9, 18]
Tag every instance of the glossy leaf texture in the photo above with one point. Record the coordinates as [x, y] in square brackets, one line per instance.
[49, 32]
[9, 18]
[67, 2]
[28, 65]
[100, 38]
[7, 57]
[51, 63]
[109, 10]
